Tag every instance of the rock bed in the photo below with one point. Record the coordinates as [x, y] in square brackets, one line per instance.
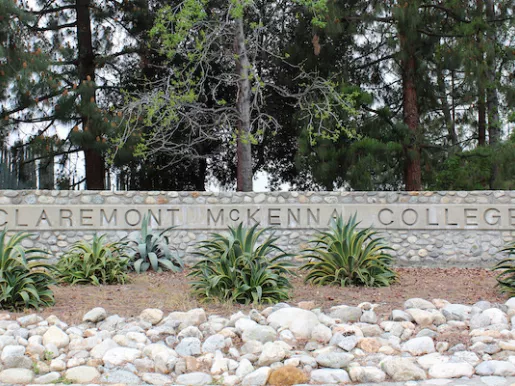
[433, 342]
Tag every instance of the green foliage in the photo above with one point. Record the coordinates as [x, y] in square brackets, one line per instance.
[153, 252]
[97, 263]
[236, 268]
[506, 279]
[346, 256]
[487, 167]
[24, 276]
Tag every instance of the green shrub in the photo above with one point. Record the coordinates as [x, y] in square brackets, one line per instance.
[152, 251]
[346, 256]
[236, 268]
[97, 263]
[24, 276]
[506, 279]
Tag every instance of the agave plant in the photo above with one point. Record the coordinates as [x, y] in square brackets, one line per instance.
[152, 251]
[236, 268]
[506, 279]
[24, 275]
[346, 256]
[97, 263]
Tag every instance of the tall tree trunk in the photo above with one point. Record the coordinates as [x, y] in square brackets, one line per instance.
[243, 135]
[481, 105]
[492, 98]
[412, 168]
[446, 109]
[95, 166]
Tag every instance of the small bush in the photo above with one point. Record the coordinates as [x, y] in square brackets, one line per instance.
[24, 276]
[97, 263]
[506, 279]
[153, 252]
[236, 268]
[345, 256]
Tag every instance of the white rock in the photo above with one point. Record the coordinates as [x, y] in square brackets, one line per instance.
[252, 347]
[366, 374]
[451, 370]
[95, 315]
[498, 368]
[193, 317]
[156, 379]
[321, 333]
[188, 347]
[429, 360]
[334, 360]
[56, 336]
[100, 349]
[258, 377]
[510, 302]
[300, 322]
[496, 316]
[120, 355]
[402, 369]
[15, 376]
[194, 379]
[421, 317]
[152, 315]
[419, 303]
[213, 343]
[273, 352]
[57, 365]
[258, 333]
[47, 378]
[12, 351]
[244, 368]
[466, 356]
[330, 376]
[82, 374]
[190, 332]
[419, 346]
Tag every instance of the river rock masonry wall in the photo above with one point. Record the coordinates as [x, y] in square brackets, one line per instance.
[423, 228]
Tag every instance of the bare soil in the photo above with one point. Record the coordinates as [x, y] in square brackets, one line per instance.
[170, 292]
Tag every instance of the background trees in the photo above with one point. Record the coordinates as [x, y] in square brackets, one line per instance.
[355, 95]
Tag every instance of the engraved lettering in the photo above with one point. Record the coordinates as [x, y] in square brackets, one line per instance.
[128, 215]
[333, 217]
[291, 216]
[220, 217]
[153, 217]
[236, 212]
[250, 216]
[409, 216]
[429, 212]
[105, 220]
[492, 219]
[16, 219]
[274, 219]
[84, 219]
[172, 211]
[65, 214]
[316, 218]
[382, 220]
[447, 218]
[512, 216]
[5, 221]
[471, 218]
[43, 217]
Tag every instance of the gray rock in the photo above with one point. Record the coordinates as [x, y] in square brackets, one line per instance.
[334, 360]
[419, 303]
[330, 376]
[401, 316]
[95, 315]
[346, 314]
[188, 347]
[194, 379]
[451, 370]
[402, 369]
[47, 378]
[156, 379]
[499, 368]
[366, 374]
[213, 343]
[300, 322]
[345, 342]
[120, 376]
[259, 333]
[456, 312]
[258, 377]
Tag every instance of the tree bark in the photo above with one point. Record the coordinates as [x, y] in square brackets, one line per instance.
[243, 135]
[95, 165]
[492, 98]
[412, 168]
[446, 109]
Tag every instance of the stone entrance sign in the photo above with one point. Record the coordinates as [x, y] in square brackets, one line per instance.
[423, 228]
[206, 216]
